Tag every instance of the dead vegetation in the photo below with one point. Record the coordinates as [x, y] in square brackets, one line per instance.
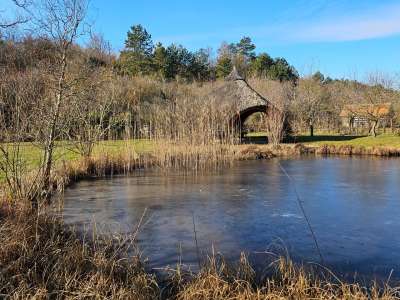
[41, 258]
[166, 155]
[357, 150]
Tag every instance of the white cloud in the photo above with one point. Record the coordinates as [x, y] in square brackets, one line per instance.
[320, 22]
[382, 22]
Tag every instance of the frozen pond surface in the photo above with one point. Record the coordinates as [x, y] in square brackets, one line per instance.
[353, 205]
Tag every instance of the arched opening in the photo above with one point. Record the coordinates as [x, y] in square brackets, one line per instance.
[255, 124]
[250, 123]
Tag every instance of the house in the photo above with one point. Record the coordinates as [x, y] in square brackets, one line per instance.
[362, 115]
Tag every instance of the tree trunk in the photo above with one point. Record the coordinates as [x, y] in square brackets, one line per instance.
[391, 125]
[351, 123]
[311, 129]
[49, 148]
[373, 128]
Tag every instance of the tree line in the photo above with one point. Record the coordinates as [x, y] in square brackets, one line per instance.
[141, 57]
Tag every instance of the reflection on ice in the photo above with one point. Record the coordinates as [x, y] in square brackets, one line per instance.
[353, 205]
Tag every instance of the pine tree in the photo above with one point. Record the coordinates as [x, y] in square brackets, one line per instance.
[224, 66]
[246, 48]
[139, 41]
[137, 57]
[160, 60]
[261, 64]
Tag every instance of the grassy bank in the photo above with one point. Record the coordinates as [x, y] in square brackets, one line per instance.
[382, 145]
[43, 259]
[116, 157]
[33, 155]
[329, 143]
[326, 138]
[383, 140]
[64, 151]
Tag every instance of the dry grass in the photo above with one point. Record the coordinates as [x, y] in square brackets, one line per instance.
[285, 281]
[168, 155]
[41, 258]
[164, 156]
[184, 156]
[357, 150]
[248, 152]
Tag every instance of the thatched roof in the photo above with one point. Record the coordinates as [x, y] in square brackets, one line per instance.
[234, 75]
[236, 92]
[364, 110]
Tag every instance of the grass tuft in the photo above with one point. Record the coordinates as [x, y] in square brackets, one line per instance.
[41, 258]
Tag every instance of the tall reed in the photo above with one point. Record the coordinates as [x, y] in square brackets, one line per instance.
[41, 258]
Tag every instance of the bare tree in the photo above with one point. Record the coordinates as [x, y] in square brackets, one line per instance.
[309, 101]
[275, 120]
[373, 102]
[16, 91]
[61, 21]
[22, 6]
[90, 113]
[379, 92]
[99, 50]
[280, 94]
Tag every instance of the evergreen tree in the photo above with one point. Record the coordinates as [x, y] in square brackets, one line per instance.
[200, 68]
[224, 66]
[178, 62]
[319, 77]
[261, 64]
[246, 47]
[140, 57]
[328, 80]
[242, 54]
[282, 71]
[160, 61]
[137, 56]
[139, 41]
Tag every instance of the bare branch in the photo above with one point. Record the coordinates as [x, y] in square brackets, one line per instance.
[22, 5]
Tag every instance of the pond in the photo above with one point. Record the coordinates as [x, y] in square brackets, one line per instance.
[353, 205]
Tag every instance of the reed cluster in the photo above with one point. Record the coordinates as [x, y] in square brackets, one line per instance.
[357, 150]
[167, 155]
[249, 152]
[183, 155]
[42, 258]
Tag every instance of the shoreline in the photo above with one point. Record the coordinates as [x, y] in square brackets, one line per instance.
[123, 164]
[103, 268]
[192, 158]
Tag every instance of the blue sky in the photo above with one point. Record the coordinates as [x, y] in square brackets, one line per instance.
[341, 38]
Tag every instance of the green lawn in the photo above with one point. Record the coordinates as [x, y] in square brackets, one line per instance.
[323, 138]
[256, 134]
[32, 155]
[382, 140]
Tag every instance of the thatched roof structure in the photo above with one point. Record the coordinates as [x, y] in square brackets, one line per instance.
[238, 94]
[381, 110]
[240, 100]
